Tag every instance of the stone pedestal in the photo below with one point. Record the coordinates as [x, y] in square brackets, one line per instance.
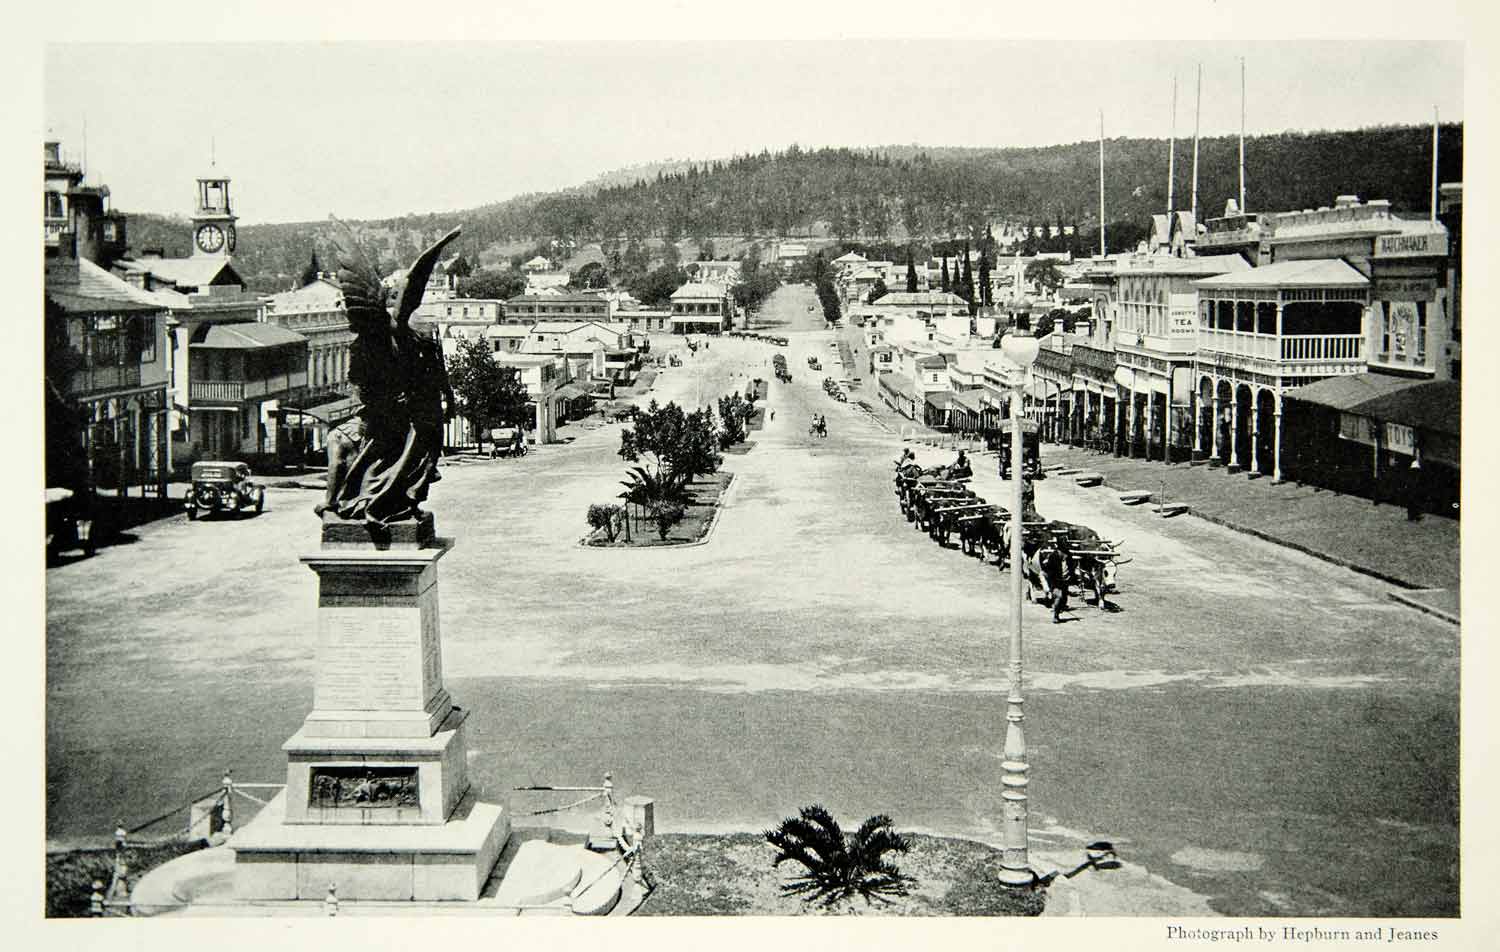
[377, 794]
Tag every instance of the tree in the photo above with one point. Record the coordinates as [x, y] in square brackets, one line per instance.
[968, 279]
[656, 287]
[945, 284]
[492, 285]
[911, 273]
[591, 276]
[677, 445]
[1044, 273]
[488, 395]
[837, 866]
[460, 268]
[311, 272]
[877, 291]
[985, 293]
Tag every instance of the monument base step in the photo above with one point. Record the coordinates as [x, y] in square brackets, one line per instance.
[275, 860]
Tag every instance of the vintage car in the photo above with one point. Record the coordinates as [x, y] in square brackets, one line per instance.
[507, 441]
[219, 485]
[70, 523]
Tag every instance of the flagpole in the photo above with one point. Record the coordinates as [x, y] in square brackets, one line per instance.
[1242, 136]
[1172, 157]
[1432, 212]
[1102, 251]
[1197, 116]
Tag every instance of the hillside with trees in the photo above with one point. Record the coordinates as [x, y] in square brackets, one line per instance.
[899, 193]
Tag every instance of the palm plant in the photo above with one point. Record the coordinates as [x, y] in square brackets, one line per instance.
[838, 866]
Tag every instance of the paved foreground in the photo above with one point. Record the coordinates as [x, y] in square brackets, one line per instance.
[1267, 730]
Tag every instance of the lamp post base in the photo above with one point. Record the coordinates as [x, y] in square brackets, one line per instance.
[1017, 878]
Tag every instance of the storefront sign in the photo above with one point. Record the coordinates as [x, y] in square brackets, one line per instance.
[1405, 289]
[1422, 244]
[1357, 428]
[1400, 439]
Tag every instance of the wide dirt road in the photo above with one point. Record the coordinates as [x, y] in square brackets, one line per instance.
[1262, 728]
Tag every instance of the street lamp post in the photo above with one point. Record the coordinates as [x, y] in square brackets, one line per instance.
[1015, 867]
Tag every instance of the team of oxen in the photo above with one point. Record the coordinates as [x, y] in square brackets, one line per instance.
[1056, 555]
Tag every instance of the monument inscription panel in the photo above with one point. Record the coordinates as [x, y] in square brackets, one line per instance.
[370, 659]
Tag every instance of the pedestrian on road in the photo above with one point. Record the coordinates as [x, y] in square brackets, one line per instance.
[1414, 491]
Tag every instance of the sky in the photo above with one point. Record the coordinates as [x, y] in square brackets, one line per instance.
[371, 130]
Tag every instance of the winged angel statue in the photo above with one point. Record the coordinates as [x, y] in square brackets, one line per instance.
[382, 460]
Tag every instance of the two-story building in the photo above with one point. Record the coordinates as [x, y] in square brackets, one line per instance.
[699, 308]
[458, 318]
[106, 381]
[1264, 331]
[549, 389]
[1155, 346]
[316, 311]
[231, 373]
[530, 308]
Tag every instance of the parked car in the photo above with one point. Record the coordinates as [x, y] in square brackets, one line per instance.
[70, 523]
[219, 485]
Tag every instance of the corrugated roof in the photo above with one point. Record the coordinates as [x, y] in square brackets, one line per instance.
[189, 272]
[1426, 405]
[970, 400]
[1346, 390]
[570, 391]
[942, 399]
[569, 298]
[898, 384]
[248, 336]
[83, 286]
[698, 289]
[1312, 273]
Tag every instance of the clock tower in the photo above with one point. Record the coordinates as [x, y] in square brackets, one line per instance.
[213, 221]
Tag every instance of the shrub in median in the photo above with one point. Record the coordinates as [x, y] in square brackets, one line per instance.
[605, 517]
[838, 866]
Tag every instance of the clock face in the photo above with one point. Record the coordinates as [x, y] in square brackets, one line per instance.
[231, 238]
[210, 238]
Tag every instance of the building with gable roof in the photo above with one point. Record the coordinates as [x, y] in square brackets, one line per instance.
[228, 388]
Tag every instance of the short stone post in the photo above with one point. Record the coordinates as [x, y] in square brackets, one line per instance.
[640, 821]
[331, 901]
[96, 899]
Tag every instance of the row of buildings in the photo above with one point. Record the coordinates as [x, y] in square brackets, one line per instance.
[154, 362]
[1321, 345]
